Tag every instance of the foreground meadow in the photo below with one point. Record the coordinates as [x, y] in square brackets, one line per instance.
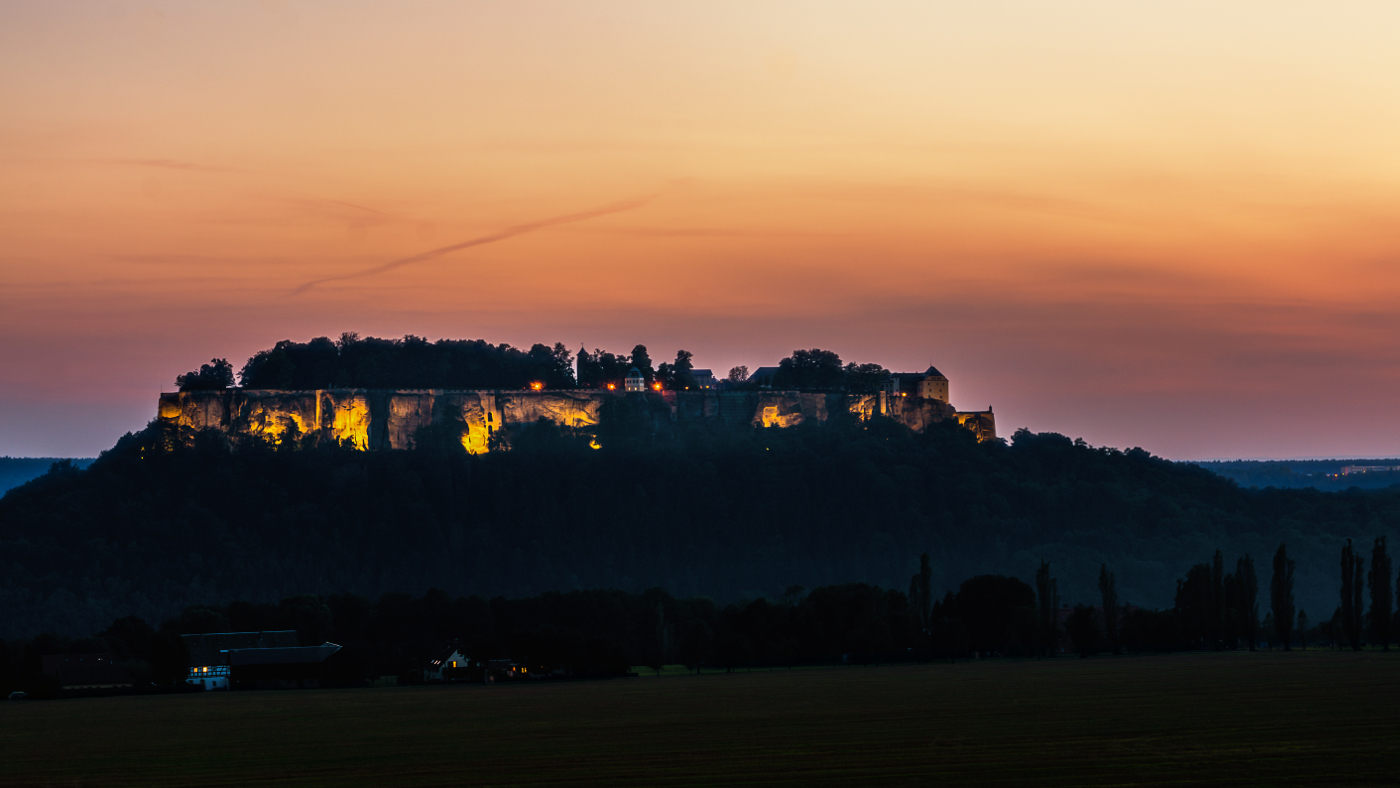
[1313, 717]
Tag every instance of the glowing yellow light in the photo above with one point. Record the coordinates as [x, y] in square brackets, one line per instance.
[656, 386]
[536, 386]
[611, 386]
[593, 444]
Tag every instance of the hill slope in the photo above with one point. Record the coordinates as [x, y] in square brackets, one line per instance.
[729, 515]
[15, 471]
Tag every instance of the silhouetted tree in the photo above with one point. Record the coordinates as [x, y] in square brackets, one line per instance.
[1352, 565]
[1216, 627]
[998, 612]
[642, 362]
[554, 367]
[1248, 600]
[217, 374]
[920, 596]
[1196, 606]
[813, 369]
[1082, 626]
[1379, 580]
[865, 378]
[1281, 596]
[681, 369]
[1108, 592]
[1048, 608]
[8, 680]
[738, 374]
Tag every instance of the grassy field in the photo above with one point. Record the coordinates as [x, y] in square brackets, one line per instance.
[1310, 718]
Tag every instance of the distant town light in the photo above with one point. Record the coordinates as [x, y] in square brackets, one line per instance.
[611, 386]
[537, 386]
[656, 386]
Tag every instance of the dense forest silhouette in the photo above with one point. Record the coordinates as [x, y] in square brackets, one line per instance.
[730, 515]
[415, 363]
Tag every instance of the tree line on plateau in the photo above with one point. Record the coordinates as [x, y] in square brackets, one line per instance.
[415, 363]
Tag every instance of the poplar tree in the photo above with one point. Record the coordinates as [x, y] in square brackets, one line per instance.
[920, 596]
[1281, 596]
[1215, 628]
[1247, 585]
[1351, 596]
[1379, 580]
[1048, 594]
[1109, 591]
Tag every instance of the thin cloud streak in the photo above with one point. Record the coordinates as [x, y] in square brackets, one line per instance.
[509, 232]
[166, 164]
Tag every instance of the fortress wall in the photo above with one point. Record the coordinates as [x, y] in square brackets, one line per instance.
[383, 419]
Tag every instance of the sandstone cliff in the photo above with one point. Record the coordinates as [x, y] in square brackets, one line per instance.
[389, 419]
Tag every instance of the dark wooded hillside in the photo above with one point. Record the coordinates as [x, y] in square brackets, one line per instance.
[726, 515]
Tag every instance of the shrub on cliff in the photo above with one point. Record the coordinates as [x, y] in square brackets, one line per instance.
[217, 374]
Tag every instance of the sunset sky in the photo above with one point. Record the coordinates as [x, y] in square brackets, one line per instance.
[1167, 225]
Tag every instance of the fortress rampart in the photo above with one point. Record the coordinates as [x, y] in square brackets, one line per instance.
[389, 419]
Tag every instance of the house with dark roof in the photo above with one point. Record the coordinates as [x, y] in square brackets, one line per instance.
[704, 378]
[290, 667]
[763, 377]
[449, 664]
[929, 384]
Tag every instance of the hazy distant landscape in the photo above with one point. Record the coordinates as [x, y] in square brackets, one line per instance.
[15, 471]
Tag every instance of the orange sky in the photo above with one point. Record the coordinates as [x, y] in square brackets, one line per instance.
[1160, 224]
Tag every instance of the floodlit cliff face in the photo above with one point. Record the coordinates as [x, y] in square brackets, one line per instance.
[388, 419]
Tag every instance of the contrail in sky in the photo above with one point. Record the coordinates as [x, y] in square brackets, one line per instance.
[501, 235]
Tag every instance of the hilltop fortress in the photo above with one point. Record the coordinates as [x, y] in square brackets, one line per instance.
[389, 419]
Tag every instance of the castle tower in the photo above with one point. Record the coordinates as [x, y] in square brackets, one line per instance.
[934, 385]
[635, 382]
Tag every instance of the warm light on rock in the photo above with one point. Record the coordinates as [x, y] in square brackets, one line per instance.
[384, 419]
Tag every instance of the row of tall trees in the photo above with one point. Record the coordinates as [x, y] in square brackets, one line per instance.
[1219, 610]
[608, 632]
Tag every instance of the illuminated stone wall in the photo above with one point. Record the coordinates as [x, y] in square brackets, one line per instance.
[384, 419]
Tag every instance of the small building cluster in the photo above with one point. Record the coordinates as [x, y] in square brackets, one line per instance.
[256, 660]
[929, 384]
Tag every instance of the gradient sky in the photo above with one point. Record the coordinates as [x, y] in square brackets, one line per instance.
[1168, 225]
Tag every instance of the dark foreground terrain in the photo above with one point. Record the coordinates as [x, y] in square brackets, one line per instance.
[1313, 717]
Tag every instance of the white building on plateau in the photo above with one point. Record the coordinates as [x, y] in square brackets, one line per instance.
[635, 381]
